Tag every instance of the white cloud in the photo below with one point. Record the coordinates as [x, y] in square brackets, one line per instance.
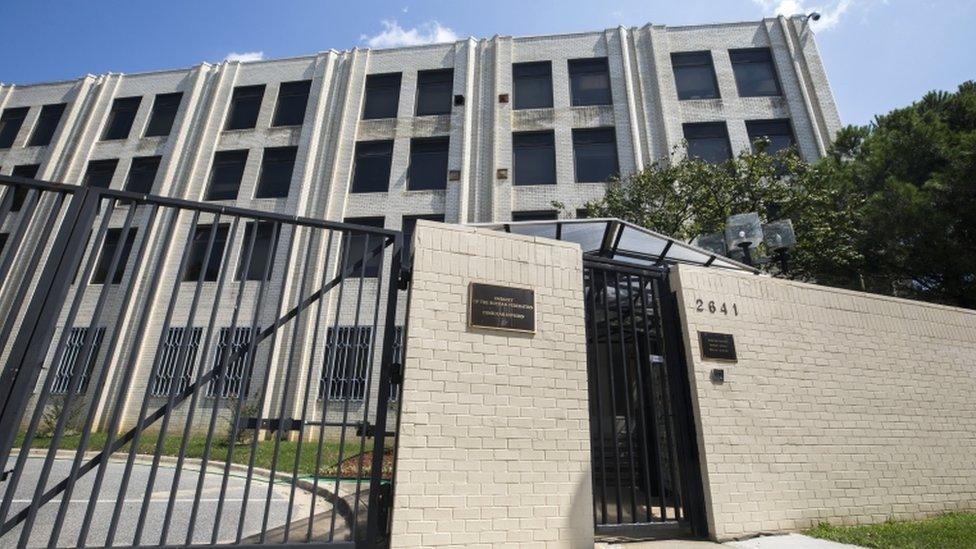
[245, 57]
[393, 35]
[830, 11]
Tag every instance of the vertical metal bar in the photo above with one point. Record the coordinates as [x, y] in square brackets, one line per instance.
[613, 387]
[669, 427]
[624, 363]
[651, 334]
[7, 201]
[596, 401]
[24, 219]
[643, 362]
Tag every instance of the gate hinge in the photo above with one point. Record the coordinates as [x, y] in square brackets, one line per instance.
[403, 281]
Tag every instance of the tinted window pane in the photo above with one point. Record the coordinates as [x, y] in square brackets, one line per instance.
[428, 164]
[276, 170]
[120, 118]
[589, 81]
[20, 193]
[434, 92]
[10, 123]
[382, 96]
[532, 85]
[47, 123]
[99, 173]
[292, 100]
[163, 114]
[226, 174]
[142, 174]
[755, 74]
[359, 244]
[198, 251]
[708, 141]
[778, 132]
[595, 154]
[244, 107]
[533, 158]
[371, 171]
[105, 257]
[535, 215]
[410, 226]
[261, 251]
[694, 75]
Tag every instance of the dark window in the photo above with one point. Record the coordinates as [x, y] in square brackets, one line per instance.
[10, 123]
[410, 226]
[47, 123]
[434, 89]
[234, 346]
[142, 174]
[244, 107]
[226, 174]
[535, 215]
[582, 213]
[174, 375]
[110, 245]
[589, 81]
[778, 132]
[755, 74]
[708, 141]
[694, 75]
[120, 119]
[163, 114]
[3, 241]
[28, 171]
[276, 170]
[595, 154]
[69, 360]
[99, 173]
[363, 243]
[347, 354]
[382, 96]
[198, 251]
[534, 158]
[261, 250]
[371, 169]
[532, 85]
[292, 100]
[428, 164]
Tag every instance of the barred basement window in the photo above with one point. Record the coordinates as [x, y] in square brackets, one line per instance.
[244, 107]
[46, 124]
[120, 119]
[175, 375]
[755, 74]
[589, 82]
[694, 75]
[346, 365]
[10, 123]
[164, 110]
[532, 85]
[292, 101]
[69, 360]
[232, 380]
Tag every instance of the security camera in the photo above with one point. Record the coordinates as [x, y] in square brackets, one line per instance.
[815, 16]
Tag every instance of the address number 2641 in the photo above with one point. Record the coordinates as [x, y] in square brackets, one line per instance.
[715, 308]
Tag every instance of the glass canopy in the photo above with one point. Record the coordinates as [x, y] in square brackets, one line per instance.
[620, 241]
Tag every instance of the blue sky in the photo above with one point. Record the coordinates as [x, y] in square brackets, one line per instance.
[879, 54]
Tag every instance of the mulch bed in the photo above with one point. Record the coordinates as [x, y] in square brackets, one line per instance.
[350, 466]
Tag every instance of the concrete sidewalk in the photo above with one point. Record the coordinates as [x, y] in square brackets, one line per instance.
[789, 541]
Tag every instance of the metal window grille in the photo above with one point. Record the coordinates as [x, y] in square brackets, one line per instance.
[346, 363]
[69, 360]
[398, 346]
[174, 375]
[234, 373]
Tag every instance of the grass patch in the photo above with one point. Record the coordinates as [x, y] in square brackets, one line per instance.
[955, 531]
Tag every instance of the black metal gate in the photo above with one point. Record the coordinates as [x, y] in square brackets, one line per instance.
[180, 373]
[646, 480]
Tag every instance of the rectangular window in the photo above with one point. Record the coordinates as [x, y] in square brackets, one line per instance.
[535, 215]
[364, 246]
[120, 119]
[346, 366]
[100, 173]
[198, 252]
[175, 371]
[226, 175]
[47, 123]
[382, 96]
[28, 171]
[694, 75]
[755, 74]
[164, 110]
[371, 167]
[244, 107]
[708, 141]
[113, 238]
[276, 171]
[589, 82]
[779, 134]
[261, 251]
[70, 358]
[434, 91]
[233, 346]
[428, 164]
[582, 213]
[142, 174]
[410, 226]
[595, 154]
[534, 158]
[10, 123]
[532, 85]
[292, 100]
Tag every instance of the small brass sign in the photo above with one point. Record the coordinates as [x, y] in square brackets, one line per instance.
[501, 308]
[717, 346]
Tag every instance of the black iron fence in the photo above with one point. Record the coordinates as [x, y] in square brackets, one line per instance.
[180, 373]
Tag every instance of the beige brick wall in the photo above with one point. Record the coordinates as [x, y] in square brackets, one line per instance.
[843, 407]
[494, 437]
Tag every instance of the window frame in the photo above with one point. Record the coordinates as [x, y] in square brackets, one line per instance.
[701, 126]
[534, 215]
[578, 134]
[357, 242]
[224, 159]
[367, 96]
[436, 84]
[577, 68]
[123, 109]
[142, 163]
[679, 60]
[286, 93]
[755, 135]
[156, 114]
[772, 65]
[38, 139]
[519, 101]
[97, 165]
[263, 187]
[198, 251]
[237, 100]
[16, 115]
[359, 155]
[99, 275]
[170, 374]
[431, 142]
[266, 236]
[517, 147]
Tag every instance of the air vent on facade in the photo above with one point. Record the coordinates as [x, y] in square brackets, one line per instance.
[501, 173]
[454, 175]
[458, 100]
[503, 98]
